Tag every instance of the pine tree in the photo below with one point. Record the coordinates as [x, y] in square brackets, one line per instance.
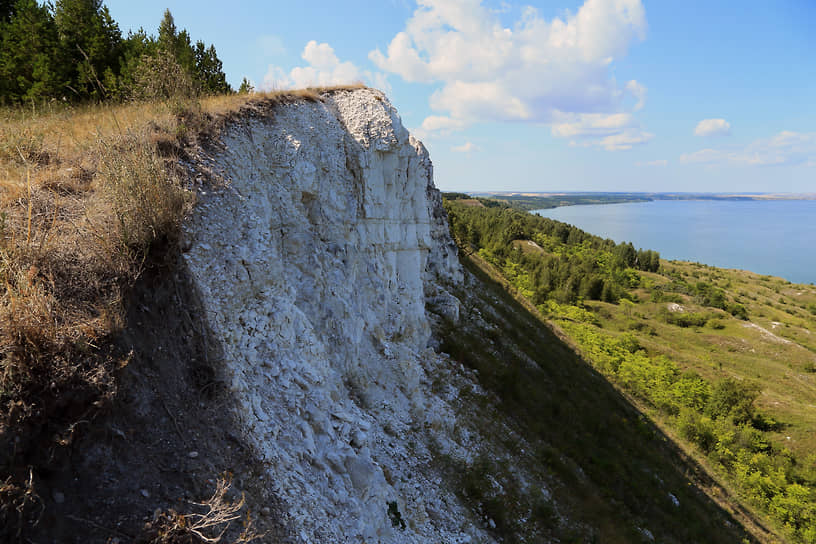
[209, 73]
[136, 46]
[29, 68]
[91, 44]
[199, 61]
[167, 32]
[177, 43]
[246, 87]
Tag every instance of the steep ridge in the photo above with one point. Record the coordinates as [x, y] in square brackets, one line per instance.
[319, 337]
[314, 265]
[332, 289]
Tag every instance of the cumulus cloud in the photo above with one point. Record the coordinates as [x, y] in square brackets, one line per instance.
[323, 68]
[589, 124]
[441, 123]
[555, 71]
[466, 147]
[614, 132]
[785, 148]
[713, 127]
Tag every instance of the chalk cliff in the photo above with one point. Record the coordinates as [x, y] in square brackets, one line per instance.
[320, 265]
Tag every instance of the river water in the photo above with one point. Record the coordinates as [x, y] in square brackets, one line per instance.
[776, 237]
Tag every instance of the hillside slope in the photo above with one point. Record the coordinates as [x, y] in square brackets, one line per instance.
[314, 333]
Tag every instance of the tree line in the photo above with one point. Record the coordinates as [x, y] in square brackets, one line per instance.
[570, 265]
[73, 51]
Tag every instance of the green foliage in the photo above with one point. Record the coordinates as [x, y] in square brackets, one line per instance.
[730, 398]
[719, 419]
[540, 202]
[199, 62]
[702, 293]
[73, 50]
[29, 63]
[6, 10]
[89, 43]
[685, 319]
[455, 196]
[395, 516]
[568, 268]
[246, 87]
[209, 72]
[570, 419]
[160, 77]
[738, 311]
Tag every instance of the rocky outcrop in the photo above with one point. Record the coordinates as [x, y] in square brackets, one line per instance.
[317, 265]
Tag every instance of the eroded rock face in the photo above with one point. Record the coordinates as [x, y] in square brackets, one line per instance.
[315, 266]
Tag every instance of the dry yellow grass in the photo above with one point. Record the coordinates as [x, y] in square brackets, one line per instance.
[86, 194]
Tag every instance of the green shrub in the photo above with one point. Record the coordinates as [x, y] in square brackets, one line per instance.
[734, 399]
[738, 311]
[686, 319]
[716, 324]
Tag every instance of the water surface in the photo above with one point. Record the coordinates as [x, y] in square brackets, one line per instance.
[775, 237]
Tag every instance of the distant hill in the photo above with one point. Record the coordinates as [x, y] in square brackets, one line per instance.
[545, 200]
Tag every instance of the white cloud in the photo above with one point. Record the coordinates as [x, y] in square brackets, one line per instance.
[785, 148]
[437, 125]
[613, 132]
[713, 127]
[467, 147]
[323, 68]
[591, 124]
[540, 71]
[275, 79]
[659, 162]
[624, 140]
[638, 91]
[441, 123]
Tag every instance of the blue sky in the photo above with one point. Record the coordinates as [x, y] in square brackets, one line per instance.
[601, 95]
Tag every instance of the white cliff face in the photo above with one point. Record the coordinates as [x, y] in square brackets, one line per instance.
[314, 267]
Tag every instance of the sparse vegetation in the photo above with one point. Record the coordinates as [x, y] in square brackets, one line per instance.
[208, 525]
[88, 195]
[732, 392]
[607, 469]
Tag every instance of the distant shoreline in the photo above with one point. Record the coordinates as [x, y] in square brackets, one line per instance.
[545, 200]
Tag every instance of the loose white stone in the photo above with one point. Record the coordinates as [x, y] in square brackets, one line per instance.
[674, 500]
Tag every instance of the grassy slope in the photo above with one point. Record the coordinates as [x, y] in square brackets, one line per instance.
[774, 348]
[781, 357]
[87, 196]
[613, 470]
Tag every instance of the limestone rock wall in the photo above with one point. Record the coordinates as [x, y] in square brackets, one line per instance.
[315, 265]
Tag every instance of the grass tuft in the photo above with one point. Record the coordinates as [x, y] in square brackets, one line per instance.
[87, 195]
[209, 524]
[146, 194]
